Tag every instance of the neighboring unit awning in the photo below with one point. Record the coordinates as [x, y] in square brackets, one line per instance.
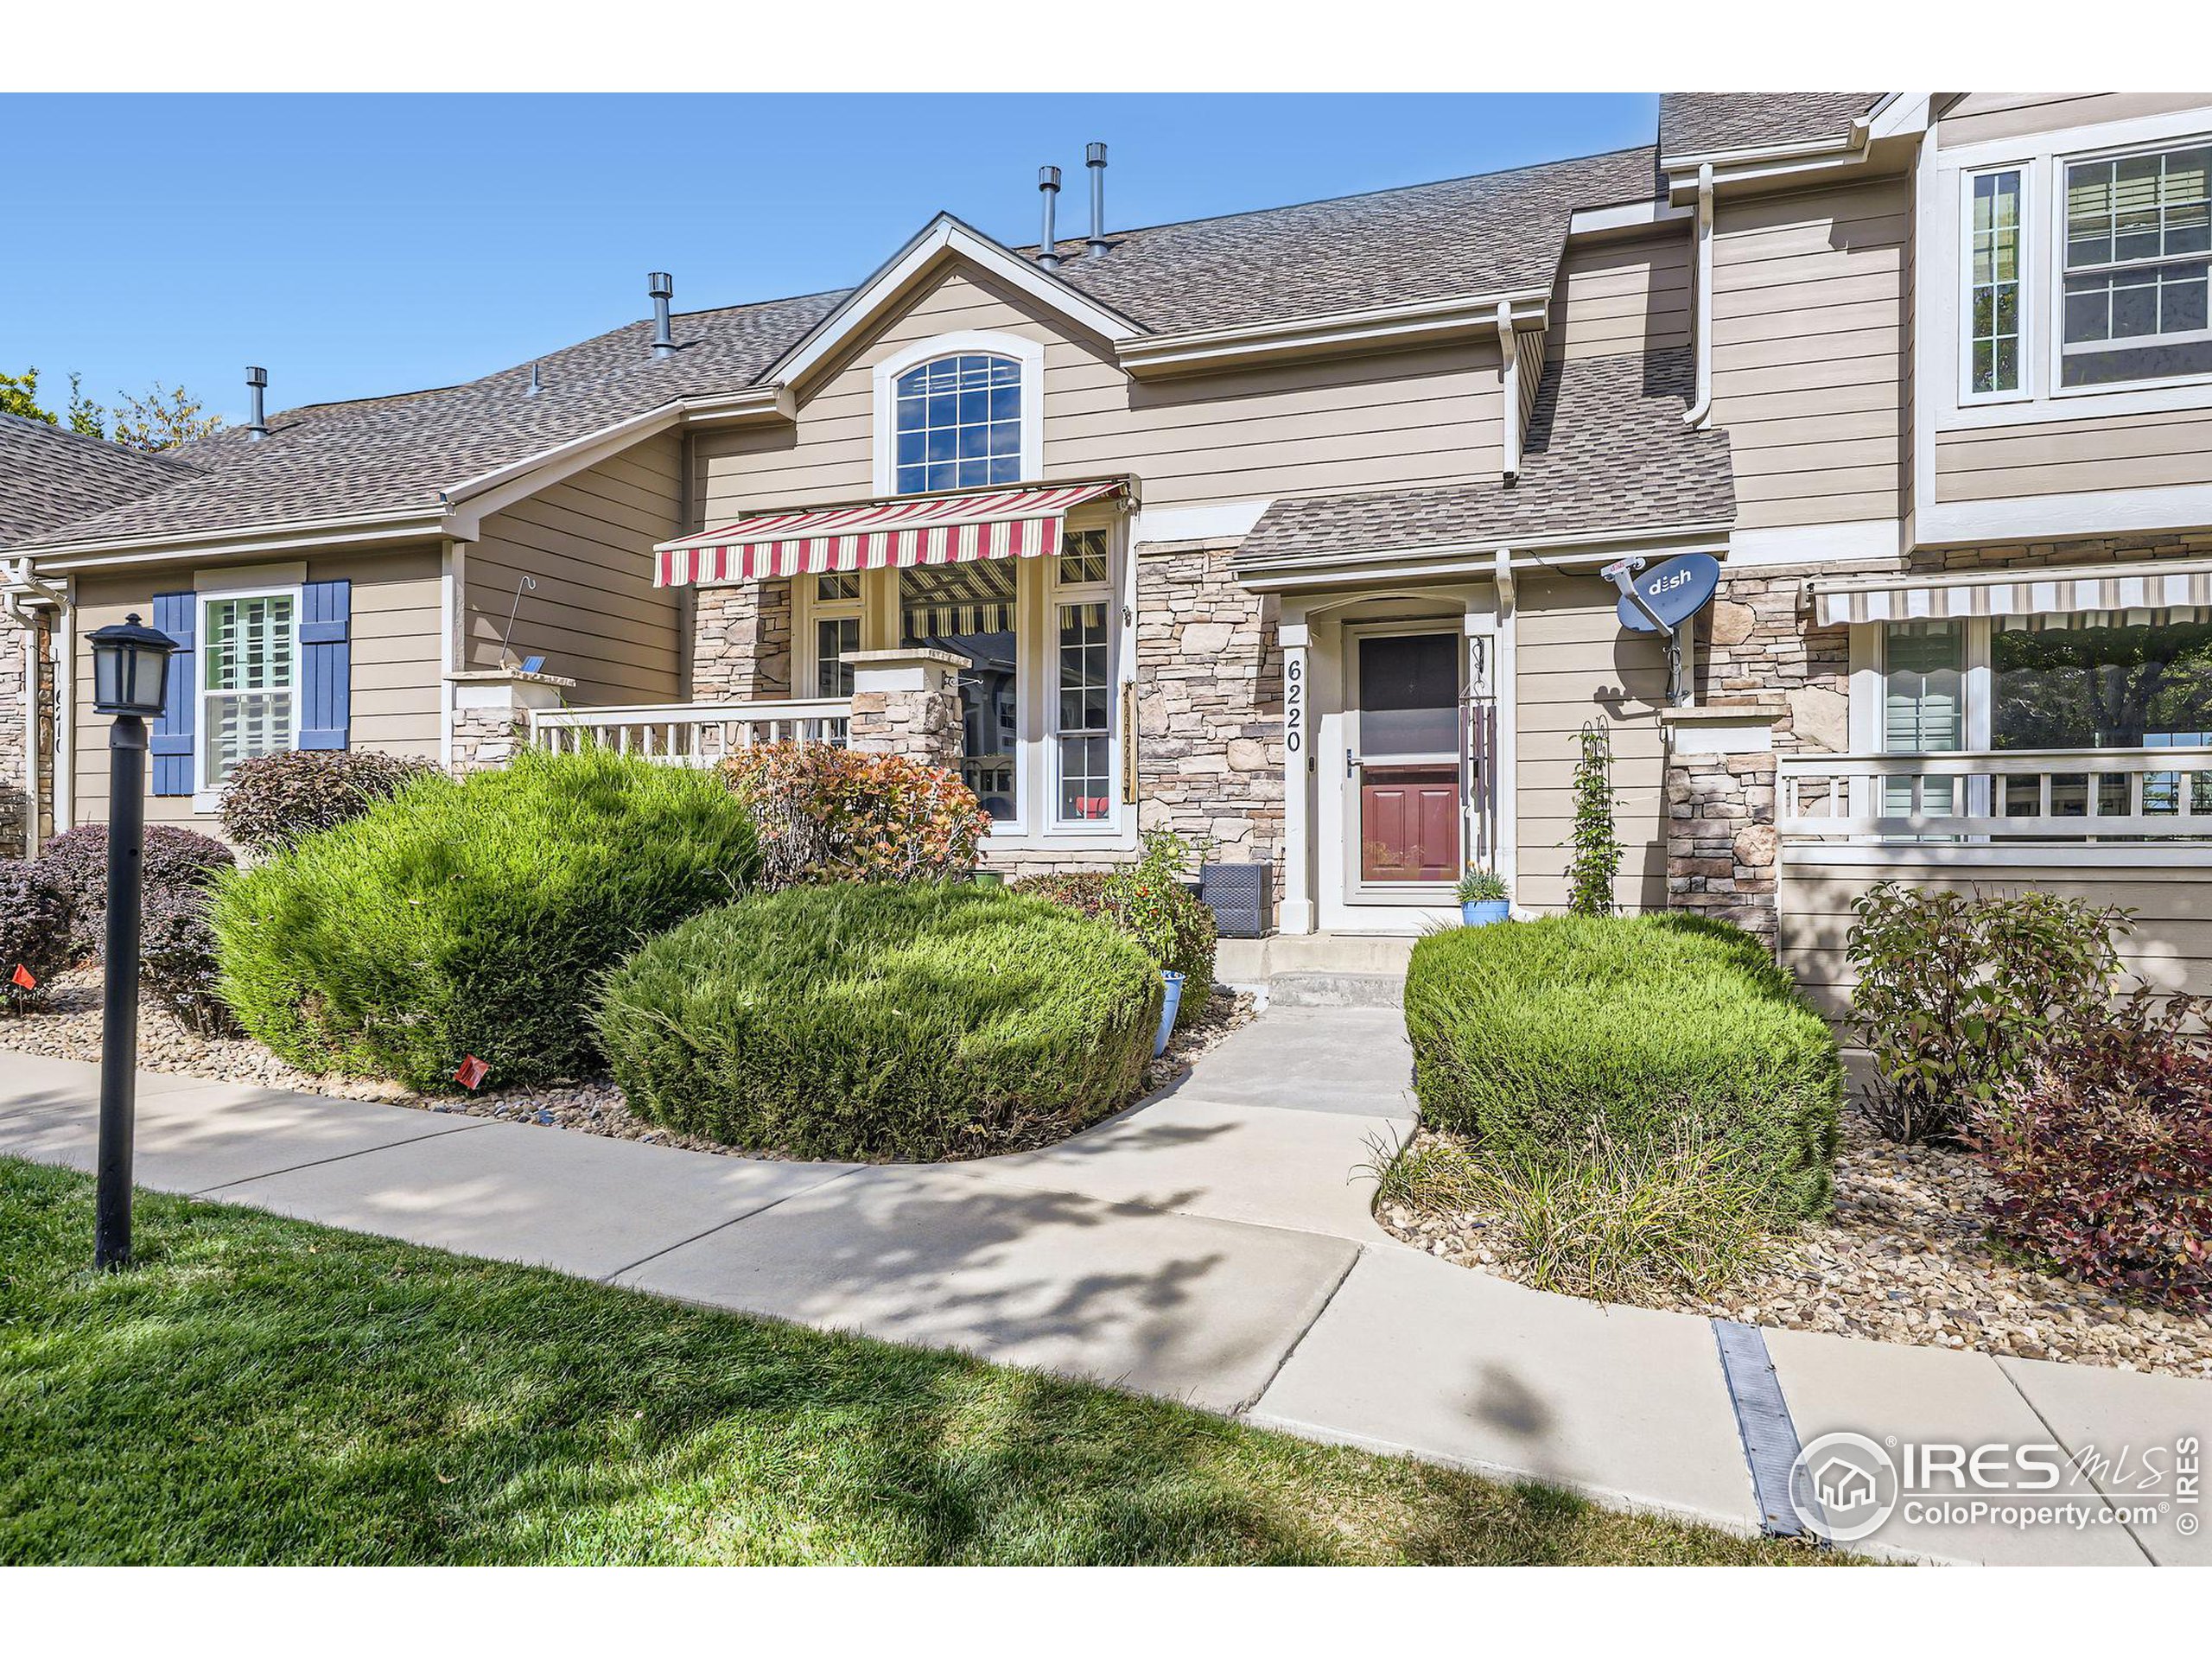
[923, 530]
[2171, 585]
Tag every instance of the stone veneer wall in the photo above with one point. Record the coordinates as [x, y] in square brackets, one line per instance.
[741, 642]
[485, 738]
[1721, 843]
[1210, 760]
[20, 729]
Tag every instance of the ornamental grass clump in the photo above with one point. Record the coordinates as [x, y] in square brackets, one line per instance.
[872, 1021]
[474, 917]
[1630, 1031]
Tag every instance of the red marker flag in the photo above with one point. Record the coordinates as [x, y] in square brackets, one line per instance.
[472, 1072]
[24, 977]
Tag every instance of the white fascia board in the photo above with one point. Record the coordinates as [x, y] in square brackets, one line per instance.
[365, 531]
[1379, 326]
[1633, 215]
[2056, 518]
[944, 235]
[1477, 558]
[1899, 115]
[754, 403]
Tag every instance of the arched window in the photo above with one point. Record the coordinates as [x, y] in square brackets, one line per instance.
[957, 423]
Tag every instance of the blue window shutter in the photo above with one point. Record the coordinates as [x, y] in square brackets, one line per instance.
[325, 663]
[171, 742]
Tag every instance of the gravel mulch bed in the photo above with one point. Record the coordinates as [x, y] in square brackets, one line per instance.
[67, 1027]
[1901, 1259]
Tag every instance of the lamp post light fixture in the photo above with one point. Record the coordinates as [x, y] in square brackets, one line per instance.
[130, 676]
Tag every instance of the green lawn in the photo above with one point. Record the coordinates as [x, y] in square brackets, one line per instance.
[263, 1390]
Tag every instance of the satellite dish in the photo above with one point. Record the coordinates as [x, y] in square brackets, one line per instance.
[1673, 591]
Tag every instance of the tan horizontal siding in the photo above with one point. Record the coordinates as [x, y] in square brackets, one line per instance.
[1809, 309]
[1415, 417]
[1981, 116]
[1573, 665]
[587, 541]
[396, 690]
[1614, 297]
[2123, 452]
[2171, 947]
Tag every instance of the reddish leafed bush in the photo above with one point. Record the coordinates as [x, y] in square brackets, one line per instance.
[2102, 1154]
[77, 859]
[34, 932]
[272, 800]
[827, 813]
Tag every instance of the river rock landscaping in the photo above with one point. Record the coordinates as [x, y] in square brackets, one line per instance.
[67, 1027]
[1901, 1258]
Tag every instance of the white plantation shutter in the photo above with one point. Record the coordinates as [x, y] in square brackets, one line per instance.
[251, 684]
[1923, 704]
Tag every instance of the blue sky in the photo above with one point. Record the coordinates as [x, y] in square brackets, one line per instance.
[358, 245]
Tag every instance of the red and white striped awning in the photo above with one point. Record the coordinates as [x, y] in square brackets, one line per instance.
[1016, 523]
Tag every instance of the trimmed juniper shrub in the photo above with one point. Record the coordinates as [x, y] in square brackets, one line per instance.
[272, 800]
[472, 917]
[1147, 903]
[872, 1021]
[2101, 1153]
[176, 955]
[78, 860]
[1541, 1039]
[34, 930]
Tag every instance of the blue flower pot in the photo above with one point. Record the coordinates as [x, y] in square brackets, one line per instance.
[1173, 1002]
[1481, 912]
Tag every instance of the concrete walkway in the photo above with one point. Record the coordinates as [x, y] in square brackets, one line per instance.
[1213, 1244]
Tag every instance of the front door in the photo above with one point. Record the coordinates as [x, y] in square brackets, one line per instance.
[1404, 774]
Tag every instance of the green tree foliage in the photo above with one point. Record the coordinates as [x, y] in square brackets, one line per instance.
[165, 417]
[87, 418]
[19, 396]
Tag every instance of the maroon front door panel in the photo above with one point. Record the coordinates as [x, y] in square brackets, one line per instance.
[1409, 823]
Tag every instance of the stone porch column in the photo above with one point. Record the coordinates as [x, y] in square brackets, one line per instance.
[907, 703]
[1722, 851]
[491, 709]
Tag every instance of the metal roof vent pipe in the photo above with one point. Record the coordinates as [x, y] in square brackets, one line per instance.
[1048, 186]
[257, 424]
[1094, 157]
[662, 287]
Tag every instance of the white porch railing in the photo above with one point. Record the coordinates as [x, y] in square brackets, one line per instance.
[2058, 795]
[690, 733]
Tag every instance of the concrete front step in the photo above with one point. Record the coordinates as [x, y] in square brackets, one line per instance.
[1253, 961]
[1336, 991]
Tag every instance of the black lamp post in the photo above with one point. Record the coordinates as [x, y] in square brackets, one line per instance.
[130, 675]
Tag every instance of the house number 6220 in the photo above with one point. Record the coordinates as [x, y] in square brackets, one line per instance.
[1294, 706]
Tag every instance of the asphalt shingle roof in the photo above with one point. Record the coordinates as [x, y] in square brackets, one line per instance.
[1463, 237]
[1607, 451]
[48, 476]
[1459, 238]
[1695, 123]
[391, 454]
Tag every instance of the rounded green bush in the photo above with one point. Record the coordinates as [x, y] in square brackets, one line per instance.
[872, 1021]
[1542, 1038]
[475, 917]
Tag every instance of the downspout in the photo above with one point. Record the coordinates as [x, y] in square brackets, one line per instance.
[1510, 379]
[1702, 299]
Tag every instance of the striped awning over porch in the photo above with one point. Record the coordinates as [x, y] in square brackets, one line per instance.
[2169, 585]
[1022, 523]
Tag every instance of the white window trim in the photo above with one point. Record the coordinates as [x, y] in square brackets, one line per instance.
[1107, 593]
[1938, 292]
[2024, 267]
[205, 798]
[1029, 354]
[806, 656]
[2056, 259]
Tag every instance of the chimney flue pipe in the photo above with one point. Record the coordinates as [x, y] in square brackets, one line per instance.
[257, 424]
[1048, 186]
[662, 287]
[1094, 157]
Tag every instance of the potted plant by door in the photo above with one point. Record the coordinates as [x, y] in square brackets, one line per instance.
[1483, 897]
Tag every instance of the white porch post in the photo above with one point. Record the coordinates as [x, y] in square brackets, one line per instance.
[1298, 906]
[1505, 686]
